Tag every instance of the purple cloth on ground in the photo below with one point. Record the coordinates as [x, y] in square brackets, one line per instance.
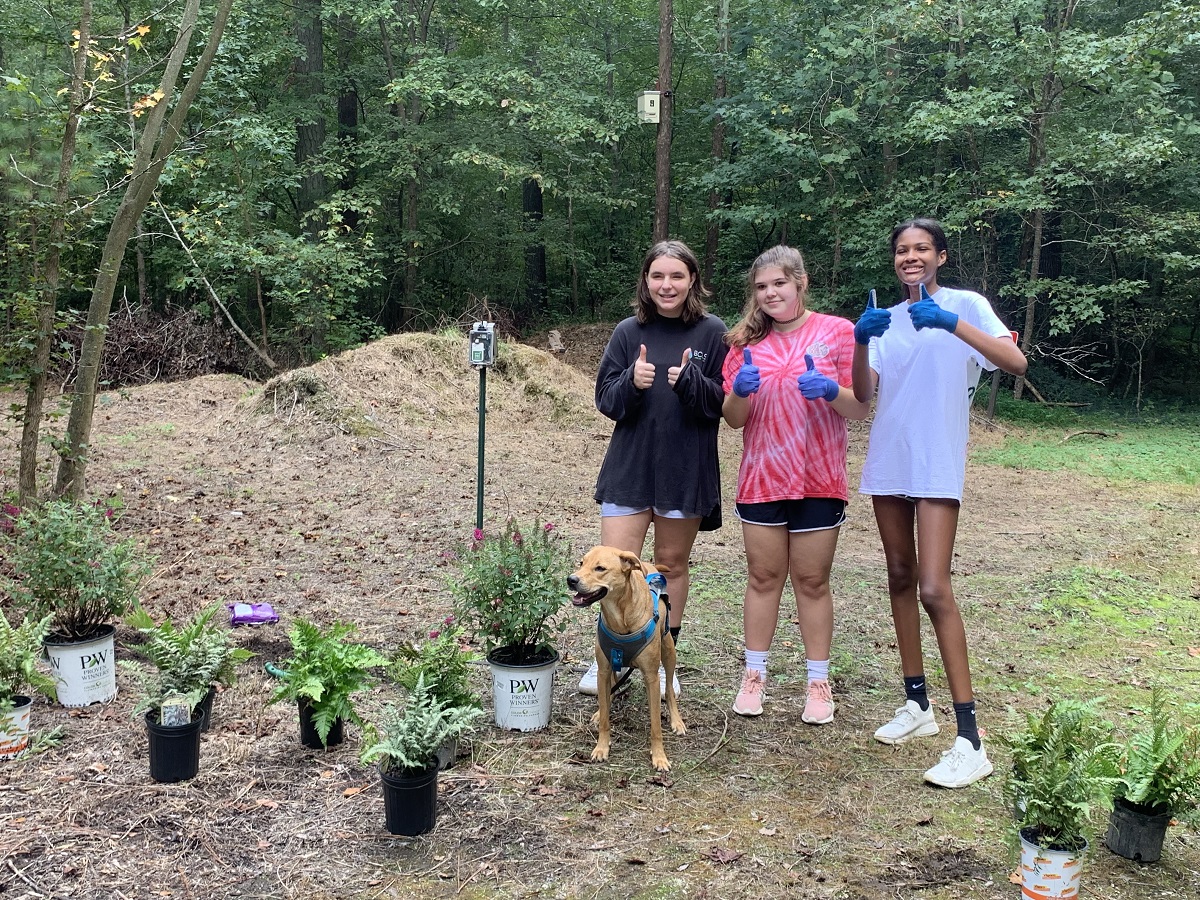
[251, 614]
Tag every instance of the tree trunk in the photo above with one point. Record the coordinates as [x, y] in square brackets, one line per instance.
[159, 138]
[662, 146]
[535, 248]
[1035, 259]
[35, 393]
[310, 130]
[712, 235]
[347, 113]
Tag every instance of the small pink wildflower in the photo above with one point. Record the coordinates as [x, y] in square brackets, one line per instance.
[548, 527]
[517, 539]
[433, 635]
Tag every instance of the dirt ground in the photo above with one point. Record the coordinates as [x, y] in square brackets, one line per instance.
[332, 493]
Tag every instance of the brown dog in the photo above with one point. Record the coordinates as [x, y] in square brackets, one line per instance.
[617, 579]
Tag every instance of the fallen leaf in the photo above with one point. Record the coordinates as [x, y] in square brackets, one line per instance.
[1193, 651]
[723, 855]
[767, 832]
[1015, 877]
[269, 804]
[351, 791]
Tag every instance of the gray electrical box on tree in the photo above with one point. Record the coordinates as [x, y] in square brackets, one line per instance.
[481, 347]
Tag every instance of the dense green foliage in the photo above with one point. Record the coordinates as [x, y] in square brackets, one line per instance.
[325, 670]
[358, 167]
[510, 587]
[1160, 767]
[70, 563]
[20, 650]
[406, 741]
[1064, 770]
[188, 660]
[443, 662]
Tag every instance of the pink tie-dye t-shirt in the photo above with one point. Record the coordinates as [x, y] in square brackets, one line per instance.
[792, 447]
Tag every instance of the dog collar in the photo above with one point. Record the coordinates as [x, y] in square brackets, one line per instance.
[622, 649]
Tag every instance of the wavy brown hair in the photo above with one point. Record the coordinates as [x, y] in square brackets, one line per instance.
[694, 307]
[755, 324]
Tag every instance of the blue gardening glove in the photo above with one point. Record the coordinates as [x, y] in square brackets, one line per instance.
[927, 314]
[813, 385]
[747, 381]
[872, 323]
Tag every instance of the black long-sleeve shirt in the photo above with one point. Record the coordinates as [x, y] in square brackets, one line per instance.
[663, 451]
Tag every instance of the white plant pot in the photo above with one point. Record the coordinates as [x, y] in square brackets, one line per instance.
[1047, 874]
[14, 729]
[85, 671]
[523, 695]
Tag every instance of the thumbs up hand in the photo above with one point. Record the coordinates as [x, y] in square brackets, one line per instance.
[748, 380]
[872, 323]
[925, 313]
[643, 372]
[674, 372]
[816, 386]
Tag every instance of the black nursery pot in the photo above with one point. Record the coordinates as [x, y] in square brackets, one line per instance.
[308, 731]
[205, 709]
[410, 802]
[1137, 832]
[174, 749]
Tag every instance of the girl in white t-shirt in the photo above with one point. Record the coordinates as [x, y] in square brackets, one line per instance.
[924, 356]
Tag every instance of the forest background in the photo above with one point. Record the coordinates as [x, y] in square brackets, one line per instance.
[342, 169]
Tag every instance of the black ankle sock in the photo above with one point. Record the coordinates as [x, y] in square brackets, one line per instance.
[914, 689]
[675, 633]
[965, 714]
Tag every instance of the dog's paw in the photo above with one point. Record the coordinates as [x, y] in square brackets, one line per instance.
[679, 727]
[596, 717]
[661, 762]
[600, 754]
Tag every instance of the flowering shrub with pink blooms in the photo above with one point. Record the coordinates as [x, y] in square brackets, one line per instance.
[511, 586]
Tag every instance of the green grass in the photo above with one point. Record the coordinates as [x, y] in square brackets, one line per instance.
[1167, 454]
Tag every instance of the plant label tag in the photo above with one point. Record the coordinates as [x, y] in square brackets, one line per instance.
[175, 711]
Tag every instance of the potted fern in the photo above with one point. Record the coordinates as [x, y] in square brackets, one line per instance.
[191, 660]
[1160, 781]
[72, 567]
[185, 664]
[20, 649]
[444, 661]
[321, 676]
[405, 746]
[1064, 770]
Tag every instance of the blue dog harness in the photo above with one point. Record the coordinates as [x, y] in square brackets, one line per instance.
[622, 649]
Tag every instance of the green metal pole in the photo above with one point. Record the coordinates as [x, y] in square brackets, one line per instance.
[482, 417]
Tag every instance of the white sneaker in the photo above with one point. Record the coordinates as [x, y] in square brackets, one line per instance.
[662, 683]
[961, 765]
[911, 721]
[588, 683]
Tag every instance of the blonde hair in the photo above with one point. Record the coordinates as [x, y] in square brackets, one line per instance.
[755, 324]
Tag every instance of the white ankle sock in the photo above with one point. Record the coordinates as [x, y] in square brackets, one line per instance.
[757, 660]
[818, 669]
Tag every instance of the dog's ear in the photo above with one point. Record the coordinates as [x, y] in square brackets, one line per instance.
[629, 561]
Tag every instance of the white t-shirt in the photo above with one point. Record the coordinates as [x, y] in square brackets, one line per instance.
[918, 445]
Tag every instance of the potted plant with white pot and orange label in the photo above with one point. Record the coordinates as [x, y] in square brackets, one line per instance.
[20, 651]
